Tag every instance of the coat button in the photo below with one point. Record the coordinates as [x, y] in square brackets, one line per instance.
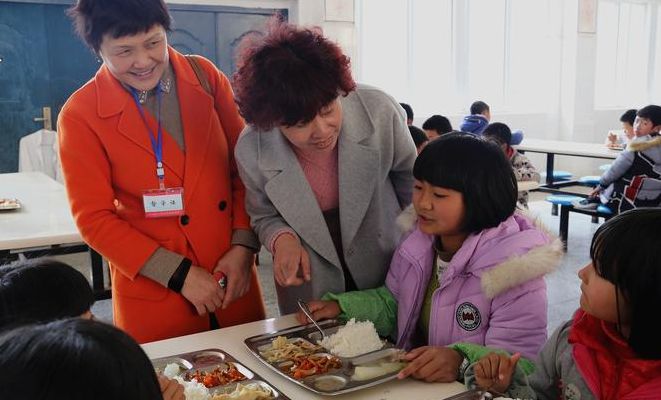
[222, 205]
[184, 219]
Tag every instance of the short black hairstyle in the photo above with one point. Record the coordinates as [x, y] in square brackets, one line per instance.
[498, 132]
[438, 123]
[409, 111]
[41, 290]
[419, 137]
[651, 112]
[479, 107]
[629, 116]
[478, 169]
[626, 251]
[93, 19]
[74, 359]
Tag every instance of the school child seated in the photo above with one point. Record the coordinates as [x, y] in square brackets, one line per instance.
[610, 349]
[77, 359]
[478, 120]
[523, 169]
[409, 113]
[436, 125]
[615, 141]
[470, 269]
[42, 290]
[634, 178]
[419, 137]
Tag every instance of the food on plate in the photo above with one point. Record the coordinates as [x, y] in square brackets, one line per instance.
[217, 376]
[371, 371]
[304, 366]
[353, 339]
[171, 370]
[193, 390]
[250, 391]
[282, 349]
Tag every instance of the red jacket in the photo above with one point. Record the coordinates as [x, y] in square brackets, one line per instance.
[108, 161]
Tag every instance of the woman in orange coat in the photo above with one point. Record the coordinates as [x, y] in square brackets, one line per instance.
[146, 149]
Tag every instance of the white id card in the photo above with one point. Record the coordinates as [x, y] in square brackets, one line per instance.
[161, 203]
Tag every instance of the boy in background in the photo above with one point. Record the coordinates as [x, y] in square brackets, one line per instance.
[523, 169]
[436, 125]
[409, 113]
[477, 122]
[614, 141]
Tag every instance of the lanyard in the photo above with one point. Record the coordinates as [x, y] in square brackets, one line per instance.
[156, 143]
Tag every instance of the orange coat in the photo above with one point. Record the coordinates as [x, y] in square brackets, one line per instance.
[108, 161]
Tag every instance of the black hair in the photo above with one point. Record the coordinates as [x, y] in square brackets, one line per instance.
[408, 109]
[498, 132]
[478, 169]
[418, 135]
[629, 116]
[479, 107]
[438, 123]
[626, 251]
[42, 290]
[74, 359]
[95, 18]
[651, 112]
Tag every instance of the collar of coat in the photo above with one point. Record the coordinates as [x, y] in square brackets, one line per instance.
[644, 145]
[515, 270]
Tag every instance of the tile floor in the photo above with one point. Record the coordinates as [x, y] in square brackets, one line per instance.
[563, 284]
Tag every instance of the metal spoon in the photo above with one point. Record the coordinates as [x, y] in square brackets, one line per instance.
[306, 310]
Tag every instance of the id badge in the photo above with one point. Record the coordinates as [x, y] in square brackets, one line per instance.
[160, 203]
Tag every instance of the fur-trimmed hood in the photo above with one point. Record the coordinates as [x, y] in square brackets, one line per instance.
[514, 270]
[643, 145]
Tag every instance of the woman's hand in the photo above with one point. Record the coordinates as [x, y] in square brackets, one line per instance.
[494, 371]
[319, 309]
[170, 389]
[236, 264]
[291, 263]
[432, 364]
[202, 290]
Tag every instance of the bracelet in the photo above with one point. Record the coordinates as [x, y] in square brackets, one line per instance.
[176, 282]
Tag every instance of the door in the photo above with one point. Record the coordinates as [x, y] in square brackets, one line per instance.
[42, 61]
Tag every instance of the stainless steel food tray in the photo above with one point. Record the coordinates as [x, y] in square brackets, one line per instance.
[208, 359]
[337, 381]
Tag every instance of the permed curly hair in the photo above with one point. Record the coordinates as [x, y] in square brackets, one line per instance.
[288, 75]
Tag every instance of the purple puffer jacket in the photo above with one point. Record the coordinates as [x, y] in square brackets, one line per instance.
[492, 293]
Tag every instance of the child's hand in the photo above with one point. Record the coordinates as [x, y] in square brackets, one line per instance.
[494, 371]
[320, 309]
[432, 364]
[612, 138]
[595, 192]
[170, 389]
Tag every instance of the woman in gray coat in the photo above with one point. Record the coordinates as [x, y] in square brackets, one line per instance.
[326, 164]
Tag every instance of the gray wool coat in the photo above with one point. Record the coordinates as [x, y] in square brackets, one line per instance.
[375, 163]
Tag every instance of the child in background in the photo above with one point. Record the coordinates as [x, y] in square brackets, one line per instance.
[42, 290]
[614, 141]
[436, 125]
[610, 349]
[634, 179]
[419, 137]
[76, 359]
[478, 120]
[470, 269]
[523, 169]
[409, 113]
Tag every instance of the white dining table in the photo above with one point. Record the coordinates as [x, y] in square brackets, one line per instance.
[231, 341]
[43, 225]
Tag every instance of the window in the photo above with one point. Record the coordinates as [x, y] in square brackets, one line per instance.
[444, 54]
[623, 54]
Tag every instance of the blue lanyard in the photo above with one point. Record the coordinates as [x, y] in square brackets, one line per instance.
[156, 143]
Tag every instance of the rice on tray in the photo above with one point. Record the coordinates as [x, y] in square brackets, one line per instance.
[353, 339]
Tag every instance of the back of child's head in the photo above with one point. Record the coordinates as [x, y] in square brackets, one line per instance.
[419, 137]
[626, 251]
[629, 116]
[74, 359]
[42, 290]
[438, 123]
[479, 107]
[478, 169]
[498, 132]
[651, 112]
[408, 110]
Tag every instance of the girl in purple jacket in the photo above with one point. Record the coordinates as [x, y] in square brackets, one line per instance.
[470, 269]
